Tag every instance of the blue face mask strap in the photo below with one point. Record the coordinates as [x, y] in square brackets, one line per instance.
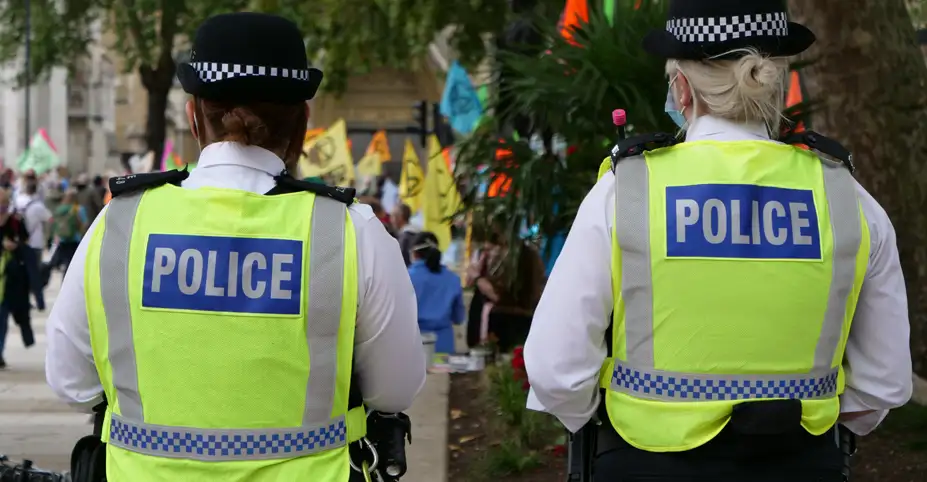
[672, 108]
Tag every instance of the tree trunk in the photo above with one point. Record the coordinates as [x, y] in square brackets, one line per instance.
[158, 83]
[156, 123]
[870, 75]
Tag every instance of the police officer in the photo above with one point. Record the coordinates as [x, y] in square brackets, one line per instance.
[733, 297]
[225, 314]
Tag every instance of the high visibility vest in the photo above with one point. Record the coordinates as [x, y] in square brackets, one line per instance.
[736, 267]
[198, 302]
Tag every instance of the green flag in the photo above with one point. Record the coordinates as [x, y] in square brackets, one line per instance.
[41, 156]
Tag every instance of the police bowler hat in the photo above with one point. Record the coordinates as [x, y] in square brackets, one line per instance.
[705, 29]
[249, 57]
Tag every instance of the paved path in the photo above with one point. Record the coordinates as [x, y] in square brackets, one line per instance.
[35, 424]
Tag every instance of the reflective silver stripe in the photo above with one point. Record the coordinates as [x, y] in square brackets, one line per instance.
[633, 229]
[216, 445]
[638, 375]
[326, 276]
[675, 386]
[114, 288]
[843, 206]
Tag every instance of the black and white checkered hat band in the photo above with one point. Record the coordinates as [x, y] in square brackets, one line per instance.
[720, 29]
[214, 71]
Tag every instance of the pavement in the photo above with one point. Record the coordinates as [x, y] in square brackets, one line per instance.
[35, 425]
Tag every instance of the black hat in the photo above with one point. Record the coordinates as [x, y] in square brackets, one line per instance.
[249, 57]
[703, 29]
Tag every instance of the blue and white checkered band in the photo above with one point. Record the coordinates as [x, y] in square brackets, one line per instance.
[721, 29]
[214, 71]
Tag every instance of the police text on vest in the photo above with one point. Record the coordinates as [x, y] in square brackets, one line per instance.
[225, 274]
[741, 221]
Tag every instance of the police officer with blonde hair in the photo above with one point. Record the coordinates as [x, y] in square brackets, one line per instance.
[722, 304]
[239, 322]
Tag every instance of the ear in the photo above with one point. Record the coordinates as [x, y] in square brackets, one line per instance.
[684, 91]
[191, 117]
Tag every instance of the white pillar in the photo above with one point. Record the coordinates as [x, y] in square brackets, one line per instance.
[12, 123]
[58, 111]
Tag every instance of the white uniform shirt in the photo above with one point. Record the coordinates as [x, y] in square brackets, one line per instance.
[566, 345]
[388, 355]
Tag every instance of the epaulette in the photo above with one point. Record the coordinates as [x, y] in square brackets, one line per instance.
[637, 145]
[140, 182]
[824, 145]
[287, 184]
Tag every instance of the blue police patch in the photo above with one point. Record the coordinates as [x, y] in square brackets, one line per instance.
[215, 273]
[741, 221]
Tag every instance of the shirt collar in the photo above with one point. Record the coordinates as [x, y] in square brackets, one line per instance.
[235, 154]
[706, 128]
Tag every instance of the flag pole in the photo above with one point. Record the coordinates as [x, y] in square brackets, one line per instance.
[28, 68]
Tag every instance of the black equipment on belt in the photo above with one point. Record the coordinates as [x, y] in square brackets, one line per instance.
[25, 472]
[384, 447]
[88, 459]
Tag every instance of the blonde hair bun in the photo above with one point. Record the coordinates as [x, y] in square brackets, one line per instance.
[757, 75]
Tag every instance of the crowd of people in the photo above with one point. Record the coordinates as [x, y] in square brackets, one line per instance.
[42, 220]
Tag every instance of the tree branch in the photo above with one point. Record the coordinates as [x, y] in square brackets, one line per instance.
[166, 35]
[137, 30]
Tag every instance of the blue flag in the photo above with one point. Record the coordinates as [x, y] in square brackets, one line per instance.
[460, 102]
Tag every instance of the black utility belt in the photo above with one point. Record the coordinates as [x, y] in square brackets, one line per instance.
[769, 419]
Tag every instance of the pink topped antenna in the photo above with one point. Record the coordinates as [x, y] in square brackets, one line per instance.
[619, 117]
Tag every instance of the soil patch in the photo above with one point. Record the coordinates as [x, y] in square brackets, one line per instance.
[476, 449]
[896, 451]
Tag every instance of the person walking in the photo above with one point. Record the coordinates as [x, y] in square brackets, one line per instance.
[36, 217]
[721, 305]
[252, 328]
[405, 232]
[438, 291]
[14, 276]
[69, 222]
[88, 196]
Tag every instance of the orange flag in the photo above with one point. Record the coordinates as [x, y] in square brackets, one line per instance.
[500, 184]
[794, 96]
[379, 145]
[575, 13]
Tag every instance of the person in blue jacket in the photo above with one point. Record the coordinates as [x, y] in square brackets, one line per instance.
[439, 292]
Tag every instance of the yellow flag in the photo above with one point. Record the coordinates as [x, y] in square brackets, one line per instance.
[441, 197]
[313, 133]
[327, 155]
[370, 165]
[412, 179]
[379, 145]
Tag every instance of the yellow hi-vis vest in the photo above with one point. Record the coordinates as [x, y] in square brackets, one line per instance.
[736, 267]
[198, 302]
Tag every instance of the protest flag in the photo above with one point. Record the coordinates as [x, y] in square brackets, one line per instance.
[460, 102]
[412, 179]
[441, 197]
[328, 156]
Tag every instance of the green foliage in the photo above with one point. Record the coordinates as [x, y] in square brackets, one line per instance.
[509, 457]
[525, 435]
[571, 91]
[534, 430]
[357, 36]
[918, 10]
[147, 31]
